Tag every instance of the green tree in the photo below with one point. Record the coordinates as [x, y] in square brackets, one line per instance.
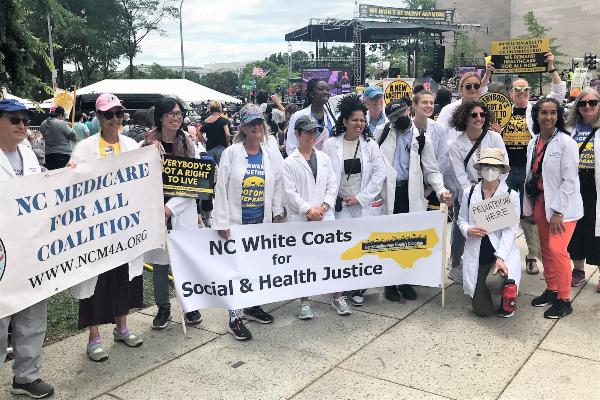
[142, 17]
[466, 51]
[420, 4]
[224, 82]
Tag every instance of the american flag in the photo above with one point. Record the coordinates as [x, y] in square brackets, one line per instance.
[258, 71]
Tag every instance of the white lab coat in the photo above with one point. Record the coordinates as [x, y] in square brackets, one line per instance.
[560, 172]
[421, 166]
[30, 163]
[291, 142]
[502, 240]
[228, 190]
[87, 150]
[465, 178]
[302, 191]
[372, 169]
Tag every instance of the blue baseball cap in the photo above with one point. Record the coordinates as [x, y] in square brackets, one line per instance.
[13, 105]
[372, 91]
[249, 113]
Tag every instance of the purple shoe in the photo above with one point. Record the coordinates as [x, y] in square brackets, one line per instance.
[578, 277]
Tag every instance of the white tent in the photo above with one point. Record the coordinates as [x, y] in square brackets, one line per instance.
[187, 90]
[28, 103]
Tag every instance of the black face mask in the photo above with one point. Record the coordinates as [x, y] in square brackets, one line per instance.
[403, 123]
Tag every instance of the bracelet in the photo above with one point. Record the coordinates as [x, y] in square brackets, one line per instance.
[551, 70]
[557, 213]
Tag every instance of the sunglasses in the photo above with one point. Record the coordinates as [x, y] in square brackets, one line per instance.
[583, 103]
[17, 120]
[478, 114]
[111, 114]
[470, 86]
[521, 89]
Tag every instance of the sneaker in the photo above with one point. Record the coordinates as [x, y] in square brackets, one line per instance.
[560, 309]
[456, 274]
[257, 314]
[304, 311]
[161, 321]
[503, 314]
[356, 298]
[239, 330]
[391, 293]
[37, 389]
[577, 278]
[96, 353]
[546, 299]
[340, 306]
[407, 292]
[127, 337]
[192, 318]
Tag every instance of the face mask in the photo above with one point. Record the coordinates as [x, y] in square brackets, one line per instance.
[402, 123]
[490, 174]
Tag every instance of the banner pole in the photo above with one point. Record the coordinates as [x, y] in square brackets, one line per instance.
[176, 297]
[444, 209]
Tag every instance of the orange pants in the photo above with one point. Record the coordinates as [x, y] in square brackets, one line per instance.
[555, 257]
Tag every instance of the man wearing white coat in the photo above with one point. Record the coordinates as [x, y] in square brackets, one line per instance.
[489, 257]
[410, 161]
[29, 325]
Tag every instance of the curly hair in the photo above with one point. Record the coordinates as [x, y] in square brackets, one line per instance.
[560, 114]
[463, 112]
[347, 105]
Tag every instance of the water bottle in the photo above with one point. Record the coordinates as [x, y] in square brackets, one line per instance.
[509, 295]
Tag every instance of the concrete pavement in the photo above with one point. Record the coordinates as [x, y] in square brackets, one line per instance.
[412, 350]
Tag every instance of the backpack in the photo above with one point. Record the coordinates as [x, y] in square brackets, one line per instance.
[471, 195]
[386, 130]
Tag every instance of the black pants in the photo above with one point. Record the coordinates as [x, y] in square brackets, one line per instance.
[584, 244]
[401, 199]
[56, 161]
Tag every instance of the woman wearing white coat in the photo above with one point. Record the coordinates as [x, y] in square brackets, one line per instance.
[108, 297]
[248, 191]
[489, 257]
[310, 189]
[359, 166]
[552, 185]
[180, 212]
[410, 162]
[472, 119]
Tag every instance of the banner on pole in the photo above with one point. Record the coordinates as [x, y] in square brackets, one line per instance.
[273, 262]
[66, 226]
[188, 177]
[518, 56]
[371, 11]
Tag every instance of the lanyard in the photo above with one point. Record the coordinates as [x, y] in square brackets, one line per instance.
[542, 150]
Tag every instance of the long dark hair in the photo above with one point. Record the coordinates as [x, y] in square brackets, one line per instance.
[560, 114]
[311, 86]
[347, 105]
[162, 107]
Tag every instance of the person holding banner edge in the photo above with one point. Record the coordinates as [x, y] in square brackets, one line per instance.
[516, 145]
[552, 198]
[180, 212]
[583, 122]
[108, 297]
[358, 162]
[28, 325]
[310, 190]
[410, 162]
[248, 191]
[489, 257]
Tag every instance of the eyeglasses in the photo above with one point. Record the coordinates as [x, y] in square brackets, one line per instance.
[111, 114]
[583, 103]
[173, 114]
[478, 114]
[470, 86]
[17, 120]
[521, 88]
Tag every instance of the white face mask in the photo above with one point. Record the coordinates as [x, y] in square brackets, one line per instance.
[489, 173]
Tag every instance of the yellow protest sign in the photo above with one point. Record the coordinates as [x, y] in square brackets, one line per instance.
[514, 56]
[500, 107]
[397, 90]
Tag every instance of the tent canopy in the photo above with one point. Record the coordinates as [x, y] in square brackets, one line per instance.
[187, 90]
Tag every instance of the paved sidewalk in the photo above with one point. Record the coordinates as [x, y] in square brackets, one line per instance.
[412, 350]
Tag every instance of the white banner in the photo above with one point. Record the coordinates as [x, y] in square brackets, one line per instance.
[62, 227]
[266, 263]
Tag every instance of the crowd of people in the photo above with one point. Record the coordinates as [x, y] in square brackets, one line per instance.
[360, 158]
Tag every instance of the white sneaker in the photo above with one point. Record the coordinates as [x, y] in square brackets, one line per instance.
[340, 306]
[456, 274]
[304, 311]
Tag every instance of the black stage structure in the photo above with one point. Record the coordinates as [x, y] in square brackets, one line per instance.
[360, 32]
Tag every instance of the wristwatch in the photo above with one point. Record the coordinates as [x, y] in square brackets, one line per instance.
[557, 213]
[551, 70]
[325, 206]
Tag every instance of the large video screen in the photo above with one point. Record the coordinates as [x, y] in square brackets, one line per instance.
[339, 79]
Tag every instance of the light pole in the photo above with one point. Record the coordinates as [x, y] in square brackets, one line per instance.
[181, 37]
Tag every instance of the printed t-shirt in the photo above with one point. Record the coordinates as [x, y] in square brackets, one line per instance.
[108, 149]
[516, 137]
[15, 160]
[586, 156]
[253, 190]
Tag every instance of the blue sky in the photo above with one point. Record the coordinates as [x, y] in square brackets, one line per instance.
[239, 30]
